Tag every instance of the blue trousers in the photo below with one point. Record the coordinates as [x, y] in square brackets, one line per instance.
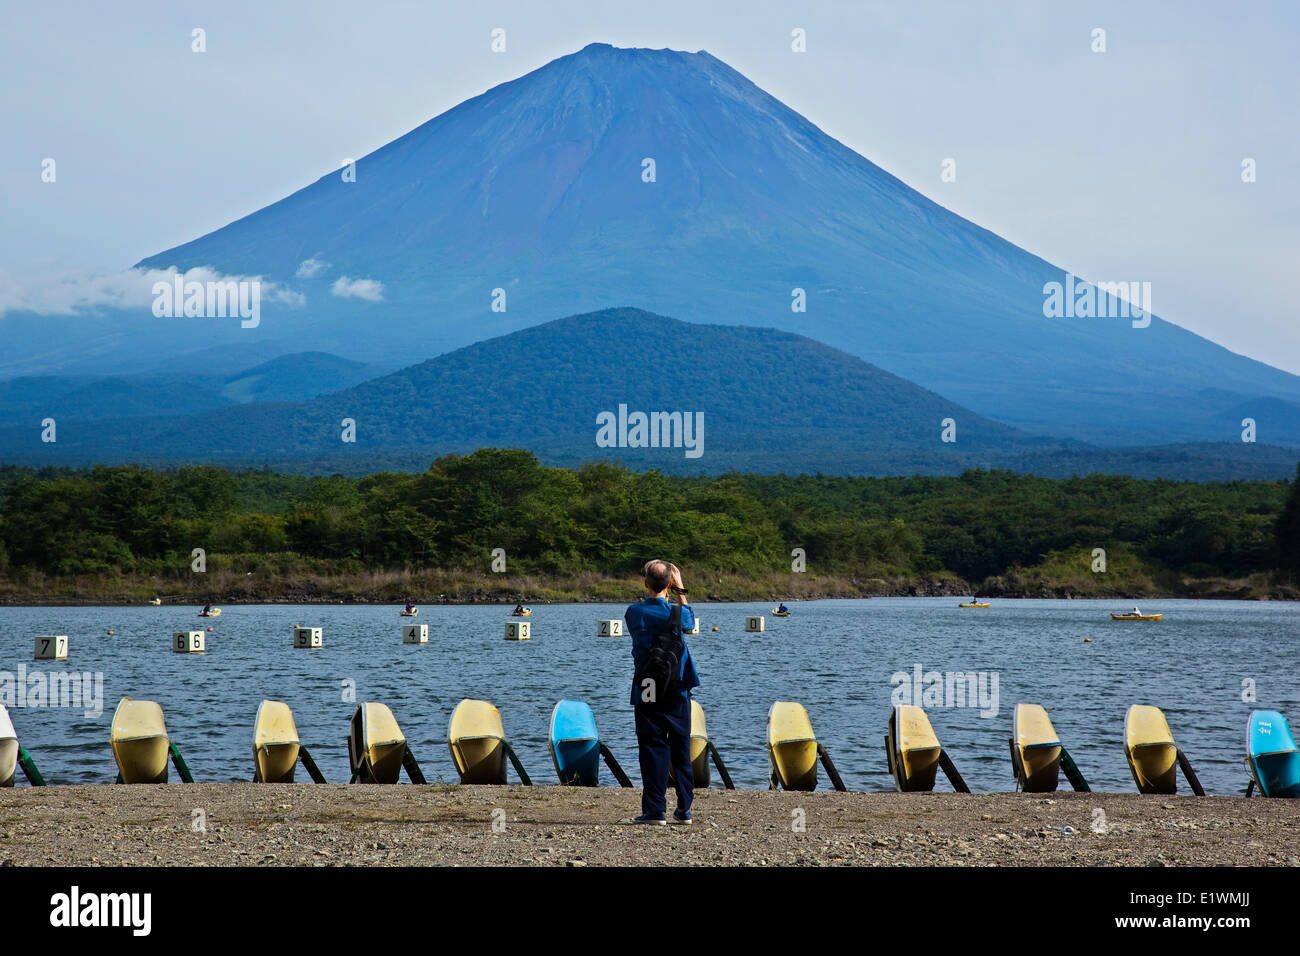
[663, 734]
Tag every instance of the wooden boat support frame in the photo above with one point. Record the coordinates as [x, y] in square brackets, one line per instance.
[1192, 781]
[29, 769]
[717, 762]
[613, 766]
[519, 767]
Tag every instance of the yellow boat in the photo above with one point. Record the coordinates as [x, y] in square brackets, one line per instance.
[526, 612]
[1036, 749]
[912, 748]
[477, 740]
[275, 743]
[376, 745]
[1150, 750]
[155, 601]
[214, 612]
[975, 604]
[1135, 617]
[139, 741]
[791, 747]
[699, 746]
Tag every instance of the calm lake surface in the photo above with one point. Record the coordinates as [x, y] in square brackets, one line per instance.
[834, 657]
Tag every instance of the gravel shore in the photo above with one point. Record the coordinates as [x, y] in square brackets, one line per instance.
[333, 825]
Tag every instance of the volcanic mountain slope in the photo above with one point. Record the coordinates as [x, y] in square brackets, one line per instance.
[538, 188]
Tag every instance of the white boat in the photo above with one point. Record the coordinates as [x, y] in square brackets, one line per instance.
[8, 749]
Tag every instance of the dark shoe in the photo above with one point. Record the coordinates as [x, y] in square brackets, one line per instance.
[682, 816]
[656, 821]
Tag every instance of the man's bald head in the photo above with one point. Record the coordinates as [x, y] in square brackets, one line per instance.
[658, 575]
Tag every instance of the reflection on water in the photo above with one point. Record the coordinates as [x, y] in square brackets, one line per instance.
[835, 657]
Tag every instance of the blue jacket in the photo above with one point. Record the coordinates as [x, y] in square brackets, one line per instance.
[646, 620]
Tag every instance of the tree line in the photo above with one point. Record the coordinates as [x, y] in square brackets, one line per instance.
[607, 519]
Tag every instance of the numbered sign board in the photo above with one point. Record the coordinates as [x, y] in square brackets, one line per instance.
[307, 637]
[187, 642]
[52, 647]
[754, 624]
[415, 633]
[609, 628]
[519, 630]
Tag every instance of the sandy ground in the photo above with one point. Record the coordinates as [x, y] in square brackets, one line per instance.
[330, 825]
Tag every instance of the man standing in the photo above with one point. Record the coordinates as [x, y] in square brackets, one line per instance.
[663, 721]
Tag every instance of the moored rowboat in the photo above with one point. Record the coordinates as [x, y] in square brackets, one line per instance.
[139, 741]
[275, 743]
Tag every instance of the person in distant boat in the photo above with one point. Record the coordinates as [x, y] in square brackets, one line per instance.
[207, 608]
[1136, 613]
[663, 722]
[519, 609]
[783, 609]
[409, 607]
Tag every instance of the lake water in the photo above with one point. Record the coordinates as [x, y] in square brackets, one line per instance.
[835, 657]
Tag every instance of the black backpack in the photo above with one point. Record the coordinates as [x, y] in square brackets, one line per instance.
[662, 663]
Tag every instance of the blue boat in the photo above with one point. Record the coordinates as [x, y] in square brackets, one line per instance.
[1271, 755]
[576, 748]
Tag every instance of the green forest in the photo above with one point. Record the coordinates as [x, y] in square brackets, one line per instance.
[123, 532]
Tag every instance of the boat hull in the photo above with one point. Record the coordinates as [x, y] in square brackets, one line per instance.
[1150, 750]
[8, 749]
[415, 613]
[139, 741]
[1136, 617]
[377, 742]
[575, 744]
[477, 741]
[275, 743]
[1038, 749]
[699, 746]
[1271, 754]
[914, 749]
[791, 746]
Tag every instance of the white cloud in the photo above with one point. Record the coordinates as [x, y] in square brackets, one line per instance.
[74, 293]
[347, 288]
[311, 268]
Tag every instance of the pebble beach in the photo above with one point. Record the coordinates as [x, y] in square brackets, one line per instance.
[443, 825]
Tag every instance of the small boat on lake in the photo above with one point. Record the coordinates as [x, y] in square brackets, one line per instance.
[976, 604]
[779, 613]
[1271, 755]
[211, 612]
[155, 601]
[524, 613]
[1134, 615]
[413, 612]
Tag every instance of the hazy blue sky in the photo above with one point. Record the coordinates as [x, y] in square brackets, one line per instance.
[1120, 165]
